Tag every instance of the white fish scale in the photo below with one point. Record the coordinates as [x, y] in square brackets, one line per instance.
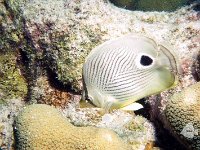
[128, 65]
[128, 73]
[108, 80]
[128, 80]
[97, 63]
[105, 69]
[131, 84]
[99, 72]
[128, 96]
[125, 63]
[119, 56]
[90, 71]
[108, 68]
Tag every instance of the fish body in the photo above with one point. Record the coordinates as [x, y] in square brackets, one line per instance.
[119, 72]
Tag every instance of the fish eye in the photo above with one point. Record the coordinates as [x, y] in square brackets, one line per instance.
[146, 60]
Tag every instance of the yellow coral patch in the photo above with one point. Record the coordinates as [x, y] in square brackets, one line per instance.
[41, 127]
[183, 115]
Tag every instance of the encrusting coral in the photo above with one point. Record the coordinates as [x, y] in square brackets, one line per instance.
[183, 116]
[41, 126]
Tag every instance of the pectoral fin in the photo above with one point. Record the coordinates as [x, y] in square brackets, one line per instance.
[132, 107]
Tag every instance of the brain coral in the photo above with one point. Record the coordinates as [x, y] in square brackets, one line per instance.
[183, 115]
[41, 126]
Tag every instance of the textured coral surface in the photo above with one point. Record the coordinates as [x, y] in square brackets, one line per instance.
[12, 83]
[134, 130]
[41, 126]
[183, 114]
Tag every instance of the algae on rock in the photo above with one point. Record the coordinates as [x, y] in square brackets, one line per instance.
[49, 39]
[12, 83]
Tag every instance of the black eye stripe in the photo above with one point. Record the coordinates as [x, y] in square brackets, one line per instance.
[146, 60]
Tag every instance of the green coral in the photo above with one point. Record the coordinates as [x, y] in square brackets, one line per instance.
[183, 113]
[12, 83]
[160, 5]
[153, 5]
[41, 126]
[127, 4]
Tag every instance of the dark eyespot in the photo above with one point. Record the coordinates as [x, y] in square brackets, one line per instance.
[146, 60]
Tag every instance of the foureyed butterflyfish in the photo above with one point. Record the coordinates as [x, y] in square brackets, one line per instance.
[119, 72]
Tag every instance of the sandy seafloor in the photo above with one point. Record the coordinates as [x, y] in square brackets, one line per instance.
[180, 28]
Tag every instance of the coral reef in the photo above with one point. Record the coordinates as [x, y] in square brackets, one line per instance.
[135, 130]
[51, 94]
[56, 36]
[12, 84]
[62, 33]
[53, 42]
[183, 116]
[12, 42]
[7, 114]
[41, 126]
[10, 36]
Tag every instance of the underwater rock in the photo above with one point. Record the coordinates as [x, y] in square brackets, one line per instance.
[12, 83]
[153, 5]
[51, 94]
[40, 126]
[183, 116]
[58, 35]
[55, 44]
[12, 42]
[7, 113]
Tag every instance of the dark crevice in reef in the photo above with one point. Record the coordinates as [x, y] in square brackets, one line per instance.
[144, 111]
[196, 68]
[196, 6]
[57, 84]
[22, 61]
[28, 71]
[164, 139]
[154, 5]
